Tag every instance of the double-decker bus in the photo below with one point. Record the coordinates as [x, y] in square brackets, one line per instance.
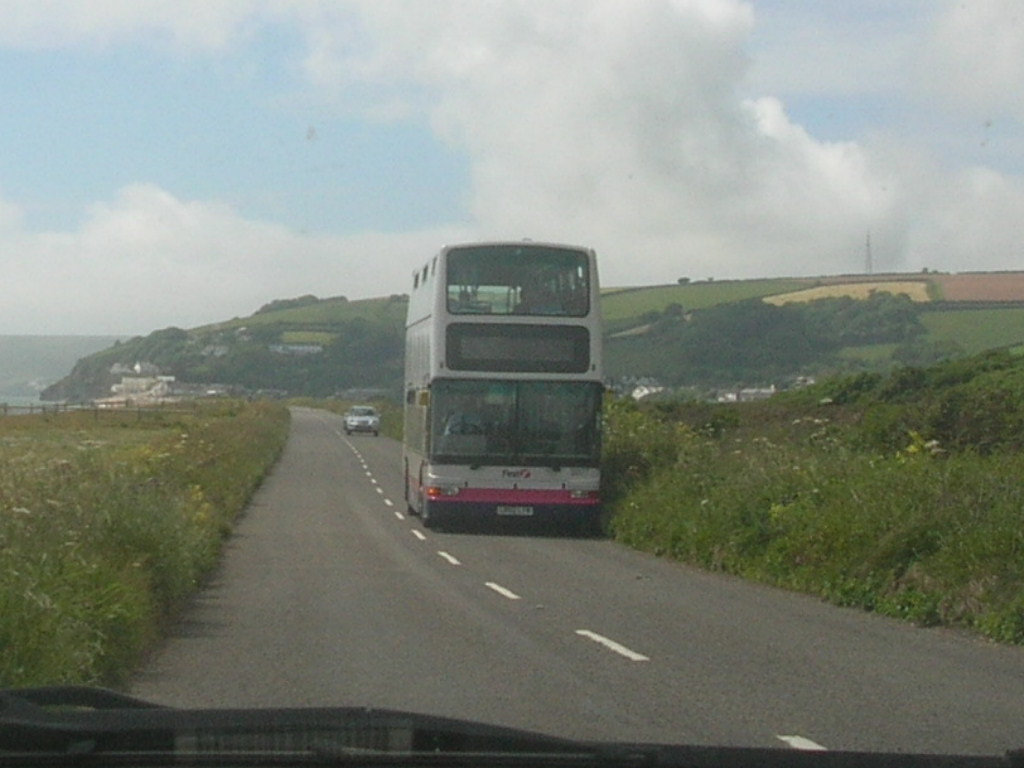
[503, 385]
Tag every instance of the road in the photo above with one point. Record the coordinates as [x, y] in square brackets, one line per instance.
[328, 594]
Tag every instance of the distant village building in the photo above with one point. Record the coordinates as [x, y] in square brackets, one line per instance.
[746, 395]
[642, 391]
[139, 390]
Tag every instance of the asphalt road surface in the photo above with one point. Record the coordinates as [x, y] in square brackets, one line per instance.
[330, 594]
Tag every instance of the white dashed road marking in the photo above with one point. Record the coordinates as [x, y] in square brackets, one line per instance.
[502, 590]
[611, 645]
[799, 742]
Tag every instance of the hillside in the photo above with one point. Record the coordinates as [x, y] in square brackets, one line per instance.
[305, 346]
[732, 334]
[700, 335]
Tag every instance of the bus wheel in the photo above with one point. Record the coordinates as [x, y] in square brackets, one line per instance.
[409, 506]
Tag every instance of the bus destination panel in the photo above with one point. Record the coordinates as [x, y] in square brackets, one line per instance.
[518, 348]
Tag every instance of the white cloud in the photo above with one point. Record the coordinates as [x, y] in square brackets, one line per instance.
[147, 260]
[973, 219]
[630, 126]
[622, 125]
[619, 124]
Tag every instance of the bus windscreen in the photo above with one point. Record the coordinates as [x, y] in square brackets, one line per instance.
[519, 422]
[518, 279]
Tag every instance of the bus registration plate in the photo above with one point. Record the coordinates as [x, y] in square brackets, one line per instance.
[515, 511]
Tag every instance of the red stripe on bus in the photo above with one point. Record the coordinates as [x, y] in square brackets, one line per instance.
[518, 496]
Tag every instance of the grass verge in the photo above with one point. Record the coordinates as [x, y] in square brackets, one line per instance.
[107, 523]
[791, 497]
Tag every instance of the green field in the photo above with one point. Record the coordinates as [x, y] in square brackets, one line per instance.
[626, 303]
[872, 354]
[326, 312]
[307, 337]
[976, 330]
[629, 313]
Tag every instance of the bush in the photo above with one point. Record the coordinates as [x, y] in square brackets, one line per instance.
[634, 446]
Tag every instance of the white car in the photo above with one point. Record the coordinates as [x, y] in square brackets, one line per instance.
[362, 418]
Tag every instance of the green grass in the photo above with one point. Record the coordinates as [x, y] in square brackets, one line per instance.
[307, 337]
[633, 303]
[108, 522]
[871, 354]
[976, 330]
[791, 497]
[389, 310]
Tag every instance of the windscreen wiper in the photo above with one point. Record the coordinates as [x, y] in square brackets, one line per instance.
[94, 727]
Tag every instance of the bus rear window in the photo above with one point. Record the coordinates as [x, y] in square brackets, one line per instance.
[529, 423]
[518, 348]
[518, 279]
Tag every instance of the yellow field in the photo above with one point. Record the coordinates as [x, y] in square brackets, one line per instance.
[917, 290]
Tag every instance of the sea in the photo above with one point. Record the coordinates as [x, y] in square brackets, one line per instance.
[29, 364]
[20, 401]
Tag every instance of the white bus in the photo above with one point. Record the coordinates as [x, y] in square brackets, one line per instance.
[503, 385]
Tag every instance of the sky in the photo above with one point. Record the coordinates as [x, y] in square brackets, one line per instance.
[181, 162]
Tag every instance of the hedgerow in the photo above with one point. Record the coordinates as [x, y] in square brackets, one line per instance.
[908, 507]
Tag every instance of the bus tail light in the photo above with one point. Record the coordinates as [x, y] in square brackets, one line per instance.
[437, 491]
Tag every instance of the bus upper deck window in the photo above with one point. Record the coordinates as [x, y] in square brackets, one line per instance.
[518, 279]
